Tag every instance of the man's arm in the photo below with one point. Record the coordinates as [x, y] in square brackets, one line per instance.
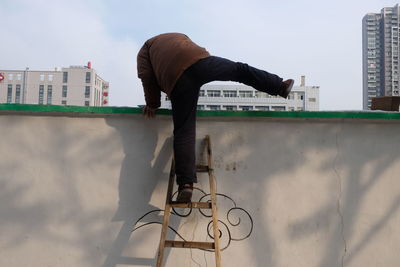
[152, 91]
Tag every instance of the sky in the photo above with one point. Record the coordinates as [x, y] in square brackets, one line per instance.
[316, 38]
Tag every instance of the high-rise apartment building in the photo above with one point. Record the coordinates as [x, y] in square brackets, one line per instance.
[76, 85]
[380, 54]
[243, 97]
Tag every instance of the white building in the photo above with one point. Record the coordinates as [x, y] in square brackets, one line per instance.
[76, 85]
[243, 97]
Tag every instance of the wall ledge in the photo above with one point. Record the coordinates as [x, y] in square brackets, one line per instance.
[79, 111]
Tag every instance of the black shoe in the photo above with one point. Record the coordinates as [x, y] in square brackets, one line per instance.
[184, 193]
[285, 88]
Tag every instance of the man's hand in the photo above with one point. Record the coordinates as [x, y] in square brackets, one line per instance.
[149, 112]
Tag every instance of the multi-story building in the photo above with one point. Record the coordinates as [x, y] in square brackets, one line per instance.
[76, 85]
[380, 54]
[243, 97]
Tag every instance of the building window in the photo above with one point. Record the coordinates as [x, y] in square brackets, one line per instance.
[41, 77]
[214, 107]
[246, 93]
[10, 76]
[264, 108]
[65, 77]
[300, 96]
[213, 93]
[87, 91]
[279, 108]
[86, 103]
[88, 77]
[19, 76]
[312, 99]
[64, 91]
[18, 93]
[41, 93]
[230, 93]
[230, 107]
[9, 93]
[63, 102]
[49, 94]
[201, 93]
[259, 94]
[200, 107]
[50, 77]
[246, 108]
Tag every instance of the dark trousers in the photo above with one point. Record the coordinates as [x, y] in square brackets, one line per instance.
[184, 104]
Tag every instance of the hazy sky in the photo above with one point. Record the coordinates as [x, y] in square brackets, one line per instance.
[317, 38]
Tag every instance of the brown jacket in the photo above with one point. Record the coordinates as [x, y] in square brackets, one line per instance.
[162, 60]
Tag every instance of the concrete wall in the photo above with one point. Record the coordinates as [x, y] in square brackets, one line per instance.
[321, 192]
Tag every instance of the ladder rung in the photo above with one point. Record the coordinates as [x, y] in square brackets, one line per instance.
[189, 244]
[202, 168]
[194, 205]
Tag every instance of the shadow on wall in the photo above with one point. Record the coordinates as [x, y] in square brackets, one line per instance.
[342, 168]
[362, 158]
[141, 170]
[352, 158]
[55, 169]
[50, 169]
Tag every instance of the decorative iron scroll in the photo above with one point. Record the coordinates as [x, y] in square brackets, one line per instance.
[230, 221]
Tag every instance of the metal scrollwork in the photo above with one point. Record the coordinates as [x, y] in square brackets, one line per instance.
[234, 217]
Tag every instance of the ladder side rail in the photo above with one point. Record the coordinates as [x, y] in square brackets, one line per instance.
[213, 187]
[167, 214]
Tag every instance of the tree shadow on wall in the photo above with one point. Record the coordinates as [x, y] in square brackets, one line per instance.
[362, 157]
[353, 157]
[141, 170]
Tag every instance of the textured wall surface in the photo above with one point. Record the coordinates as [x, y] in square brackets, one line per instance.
[320, 192]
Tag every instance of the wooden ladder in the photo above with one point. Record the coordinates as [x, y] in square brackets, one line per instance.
[169, 204]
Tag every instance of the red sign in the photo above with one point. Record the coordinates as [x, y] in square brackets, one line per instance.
[1, 77]
[105, 93]
[105, 102]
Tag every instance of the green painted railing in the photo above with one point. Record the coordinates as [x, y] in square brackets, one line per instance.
[204, 113]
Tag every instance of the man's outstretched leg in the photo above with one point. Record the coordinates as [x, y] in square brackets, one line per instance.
[220, 69]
